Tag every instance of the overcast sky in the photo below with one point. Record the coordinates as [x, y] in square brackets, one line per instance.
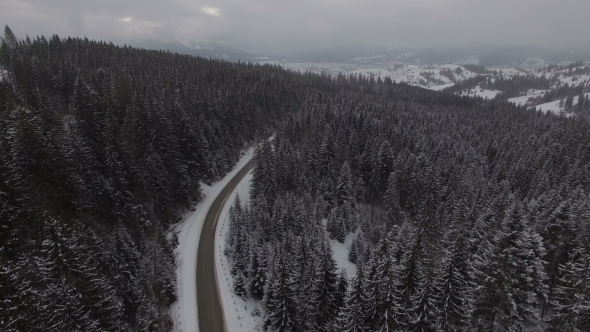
[274, 26]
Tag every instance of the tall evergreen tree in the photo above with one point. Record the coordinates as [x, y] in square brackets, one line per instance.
[280, 300]
[571, 299]
[508, 276]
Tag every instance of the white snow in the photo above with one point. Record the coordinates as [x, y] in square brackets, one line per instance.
[481, 92]
[184, 311]
[239, 314]
[507, 72]
[553, 106]
[441, 87]
[340, 254]
[522, 100]
[575, 80]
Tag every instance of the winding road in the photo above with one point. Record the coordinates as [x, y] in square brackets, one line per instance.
[208, 299]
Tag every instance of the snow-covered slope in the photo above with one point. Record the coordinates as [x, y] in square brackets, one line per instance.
[435, 77]
[479, 91]
[568, 76]
[532, 93]
[557, 106]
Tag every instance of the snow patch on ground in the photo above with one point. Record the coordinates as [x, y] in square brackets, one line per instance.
[481, 92]
[522, 100]
[441, 87]
[507, 72]
[184, 311]
[340, 253]
[554, 107]
[239, 313]
[575, 80]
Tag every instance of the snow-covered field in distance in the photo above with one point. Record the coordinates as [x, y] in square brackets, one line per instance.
[554, 106]
[429, 77]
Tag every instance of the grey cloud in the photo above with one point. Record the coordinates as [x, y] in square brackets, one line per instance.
[283, 26]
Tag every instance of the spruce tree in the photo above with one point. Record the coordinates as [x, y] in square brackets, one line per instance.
[280, 299]
[571, 299]
[425, 312]
[454, 281]
[350, 317]
[257, 271]
[324, 294]
[508, 275]
[342, 289]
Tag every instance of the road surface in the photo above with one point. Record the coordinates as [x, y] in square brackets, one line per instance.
[208, 299]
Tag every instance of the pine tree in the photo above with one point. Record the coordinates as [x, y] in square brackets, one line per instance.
[350, 317]
[559, 238]
[280, 299]
[393, 312]
[391, 202]
[571, 299]
[509, 280]
[384, 167]
[353, 252]
[262, 189]
[240, 284]
[342, 288]
[257, 271]
[373, 297]
[425, 312]
[324, 293]
[411, 269]
[454, 282]
[359, 194]
[344, 188]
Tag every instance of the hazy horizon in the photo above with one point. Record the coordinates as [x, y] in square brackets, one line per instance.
[271, 27]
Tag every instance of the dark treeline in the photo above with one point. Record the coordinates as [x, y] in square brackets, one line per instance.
[102, 149]
[462, 218]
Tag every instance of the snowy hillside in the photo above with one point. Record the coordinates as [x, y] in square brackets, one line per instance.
[434, 77]
[558, 106]
[535, 82]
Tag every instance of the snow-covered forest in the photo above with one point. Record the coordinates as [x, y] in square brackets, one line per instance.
[466, 214]
[102, 149]
[466, 217]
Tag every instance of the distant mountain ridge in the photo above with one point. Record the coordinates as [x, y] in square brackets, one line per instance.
[477, 53]
[205, 49]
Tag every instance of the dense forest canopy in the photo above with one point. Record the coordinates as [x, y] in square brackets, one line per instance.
[465, 213]
[462, 217]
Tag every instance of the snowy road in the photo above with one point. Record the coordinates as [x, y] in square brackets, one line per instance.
[184, 311]
[209, 306]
